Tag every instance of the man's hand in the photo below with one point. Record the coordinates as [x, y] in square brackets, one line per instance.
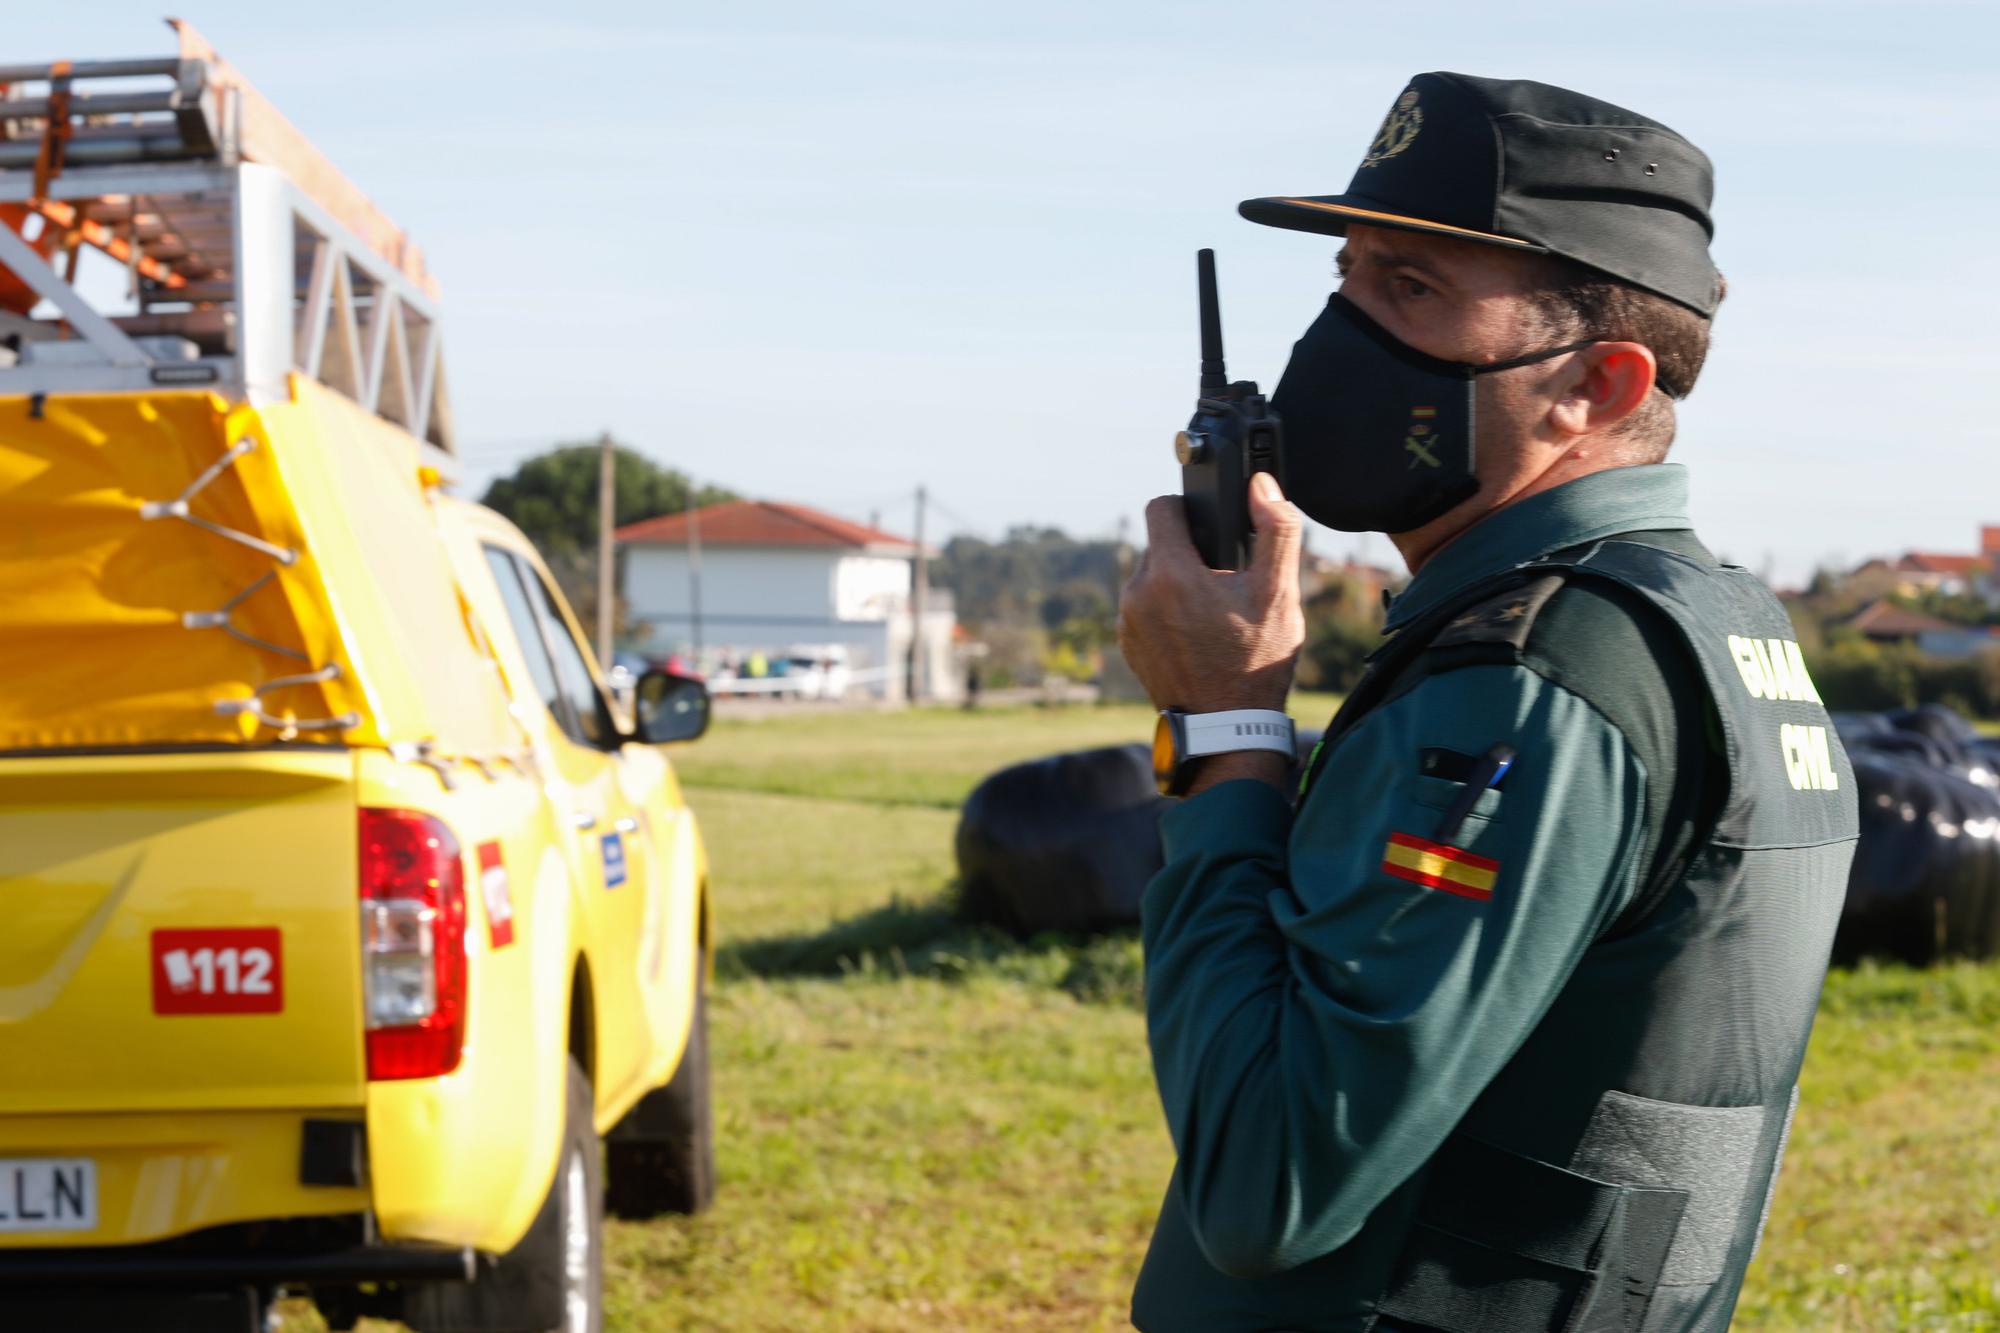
[1206, 640]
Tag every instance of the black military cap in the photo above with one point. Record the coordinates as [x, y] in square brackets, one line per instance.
[1514, 163]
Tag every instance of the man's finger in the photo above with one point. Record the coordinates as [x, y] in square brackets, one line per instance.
[1274, 548]
[1138, 568]
[1166, 521]
[1135, 582]
[1167, 534]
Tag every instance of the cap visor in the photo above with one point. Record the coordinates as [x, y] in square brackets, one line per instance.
[1330, 215]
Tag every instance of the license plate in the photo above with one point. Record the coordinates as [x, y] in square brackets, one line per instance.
[48, 1194]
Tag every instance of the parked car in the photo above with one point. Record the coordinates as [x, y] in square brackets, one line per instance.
[819, 670]
[355, 939]
[333, 1008]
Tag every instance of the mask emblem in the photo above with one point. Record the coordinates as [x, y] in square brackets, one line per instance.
[1416, 438]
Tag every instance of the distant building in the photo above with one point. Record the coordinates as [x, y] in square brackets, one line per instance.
[1874, 578]
[1885, 622]
[1951, 573]
[1364, 582]
[1960, 641]
[775, 578]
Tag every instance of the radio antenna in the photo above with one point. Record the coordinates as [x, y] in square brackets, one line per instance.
[1214, 380]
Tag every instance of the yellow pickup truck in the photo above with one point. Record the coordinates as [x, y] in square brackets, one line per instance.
[355, 936]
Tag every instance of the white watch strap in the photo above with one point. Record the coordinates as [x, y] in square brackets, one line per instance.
[1239, 729]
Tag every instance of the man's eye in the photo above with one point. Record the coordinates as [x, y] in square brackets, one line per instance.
[1409, 286]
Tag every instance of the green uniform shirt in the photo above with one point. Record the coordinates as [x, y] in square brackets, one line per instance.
[1319, 1019]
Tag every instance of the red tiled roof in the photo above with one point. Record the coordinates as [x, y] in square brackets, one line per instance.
[1924, 562]
[1886, 620]
[1989, 539]
[762, 523]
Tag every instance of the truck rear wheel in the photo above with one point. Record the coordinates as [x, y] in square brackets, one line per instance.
[661, 1157]
[553, 1280]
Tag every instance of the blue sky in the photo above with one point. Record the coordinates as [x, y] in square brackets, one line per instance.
[825, 251]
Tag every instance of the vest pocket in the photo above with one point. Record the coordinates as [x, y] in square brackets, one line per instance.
[1502, 1241]
[1439, 794]
[1723, 1156]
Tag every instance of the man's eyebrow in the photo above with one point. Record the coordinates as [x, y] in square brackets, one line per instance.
[1392, 258]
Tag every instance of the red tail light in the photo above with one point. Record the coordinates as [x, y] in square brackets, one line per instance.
[412, 944]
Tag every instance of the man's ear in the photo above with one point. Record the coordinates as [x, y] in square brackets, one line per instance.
[1614, 380]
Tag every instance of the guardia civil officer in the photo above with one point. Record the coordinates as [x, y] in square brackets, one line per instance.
[1495, 1024]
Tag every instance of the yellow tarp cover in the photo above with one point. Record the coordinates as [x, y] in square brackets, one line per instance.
[96, 644]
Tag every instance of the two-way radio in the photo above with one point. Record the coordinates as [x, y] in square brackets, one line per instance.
[1232, 435]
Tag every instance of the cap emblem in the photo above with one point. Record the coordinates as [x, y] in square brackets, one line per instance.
[1399, 129]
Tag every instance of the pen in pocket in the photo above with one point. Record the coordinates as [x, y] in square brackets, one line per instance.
[1492, 766]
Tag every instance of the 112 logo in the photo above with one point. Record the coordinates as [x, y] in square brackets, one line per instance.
[218, 971]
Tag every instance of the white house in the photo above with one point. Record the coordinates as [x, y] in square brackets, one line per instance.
[759, 577]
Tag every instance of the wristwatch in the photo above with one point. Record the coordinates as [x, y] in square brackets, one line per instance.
[1181, 738]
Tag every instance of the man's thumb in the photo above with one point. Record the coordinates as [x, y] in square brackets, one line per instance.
[1274, 550]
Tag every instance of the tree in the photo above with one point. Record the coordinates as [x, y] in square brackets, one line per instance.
[552, 497]
[1043, 602]
[1857, 673]
[1343, 625]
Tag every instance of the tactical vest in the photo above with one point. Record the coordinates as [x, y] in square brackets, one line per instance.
[1614, 1177]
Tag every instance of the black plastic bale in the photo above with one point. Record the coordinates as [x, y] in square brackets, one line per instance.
[1926, 879]
[1069, 843]
[1066, 843]
[1937, 721]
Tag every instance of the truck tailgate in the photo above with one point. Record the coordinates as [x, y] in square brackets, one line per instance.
[180, 932]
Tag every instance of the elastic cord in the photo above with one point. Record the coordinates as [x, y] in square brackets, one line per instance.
[1395, 346]
[1532, 357]
[1438, 365]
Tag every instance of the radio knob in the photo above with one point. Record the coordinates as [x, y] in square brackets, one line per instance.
[1190, 449]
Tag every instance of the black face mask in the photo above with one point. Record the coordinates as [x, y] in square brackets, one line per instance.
[1378, 436]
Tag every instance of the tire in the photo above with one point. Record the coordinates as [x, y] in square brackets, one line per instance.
[661, 1157]
[553, 1280]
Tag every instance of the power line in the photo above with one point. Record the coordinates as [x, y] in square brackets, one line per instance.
[960, 521]
[892, 502]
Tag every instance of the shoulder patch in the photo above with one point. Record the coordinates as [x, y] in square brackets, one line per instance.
[1503, 619]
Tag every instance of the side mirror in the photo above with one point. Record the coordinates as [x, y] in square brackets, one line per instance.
[670, 708]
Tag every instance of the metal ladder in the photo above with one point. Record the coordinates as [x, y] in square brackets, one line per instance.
[248, 255]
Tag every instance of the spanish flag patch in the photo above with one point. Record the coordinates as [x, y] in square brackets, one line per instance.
[1436, 866]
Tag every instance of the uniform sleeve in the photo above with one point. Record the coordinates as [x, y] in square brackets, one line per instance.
[1324, 1002]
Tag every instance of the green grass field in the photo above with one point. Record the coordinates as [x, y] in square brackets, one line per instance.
[925, 1126]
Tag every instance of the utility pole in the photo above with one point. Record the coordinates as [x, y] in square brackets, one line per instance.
[918, 589]
[607, 509]
[694, 573]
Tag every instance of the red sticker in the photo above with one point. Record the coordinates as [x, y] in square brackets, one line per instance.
[499, 898]
[219, 971]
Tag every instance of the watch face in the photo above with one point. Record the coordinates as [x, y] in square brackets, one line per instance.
[1166, 752]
